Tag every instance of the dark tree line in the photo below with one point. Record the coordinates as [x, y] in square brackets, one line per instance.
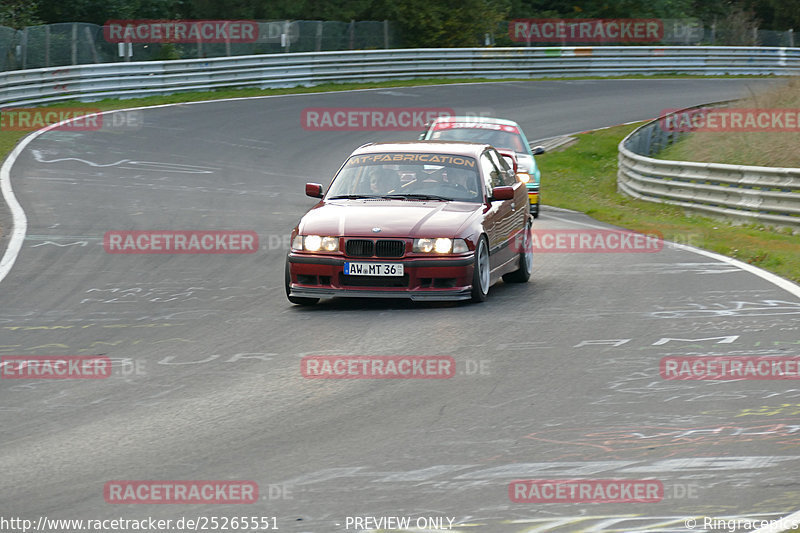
[421, 22]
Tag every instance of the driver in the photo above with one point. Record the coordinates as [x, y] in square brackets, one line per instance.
[463, 179]
[373, 180]
[380, 182]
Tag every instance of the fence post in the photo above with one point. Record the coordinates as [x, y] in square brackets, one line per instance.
[74, 43]
[47, 45]
[386, 34]
[319, 35]
[791, 37]
[91, 42]
[24, 48]
[755, 36]
[352, 32]
[287, 26]
[227, 39]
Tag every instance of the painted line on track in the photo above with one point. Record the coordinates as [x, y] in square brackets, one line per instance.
[780, 282]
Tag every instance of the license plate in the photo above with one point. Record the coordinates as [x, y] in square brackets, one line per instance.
[373, 269]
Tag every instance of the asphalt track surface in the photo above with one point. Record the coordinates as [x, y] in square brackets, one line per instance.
[569, 386]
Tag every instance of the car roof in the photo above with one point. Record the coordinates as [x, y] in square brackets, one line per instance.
[480, 120]
[426, 147]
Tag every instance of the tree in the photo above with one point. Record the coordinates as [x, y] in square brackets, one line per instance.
[447, 23]
[18, 13]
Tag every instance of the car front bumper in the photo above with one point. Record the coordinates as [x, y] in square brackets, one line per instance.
[424, 279]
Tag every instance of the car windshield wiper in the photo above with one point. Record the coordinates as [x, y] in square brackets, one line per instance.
[417, 197]
[352, 196]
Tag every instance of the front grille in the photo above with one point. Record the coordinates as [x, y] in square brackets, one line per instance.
[385, 248]
[370, 248]
[374, 281]
[359, 248]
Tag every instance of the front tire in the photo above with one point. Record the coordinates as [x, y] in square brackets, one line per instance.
[523, 273]
[295, 299]
[481, 272]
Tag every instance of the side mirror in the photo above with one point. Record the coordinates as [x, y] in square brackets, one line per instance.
[425, 131]
[537, 150]
[504, 192]
[314, 190]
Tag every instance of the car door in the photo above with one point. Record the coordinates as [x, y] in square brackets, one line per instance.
[498, 219]
[517, 214]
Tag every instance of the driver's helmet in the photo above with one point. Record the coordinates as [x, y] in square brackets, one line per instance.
[373, 180]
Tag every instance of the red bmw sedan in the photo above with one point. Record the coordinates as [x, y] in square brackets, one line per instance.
[421, 220]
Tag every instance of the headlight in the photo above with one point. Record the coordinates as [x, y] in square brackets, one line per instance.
[523, 177]
[441, 245]
[315, 243]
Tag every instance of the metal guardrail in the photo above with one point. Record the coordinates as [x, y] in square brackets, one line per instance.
[744, 193]
[136, 79]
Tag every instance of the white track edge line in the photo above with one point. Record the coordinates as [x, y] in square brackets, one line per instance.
[780, 282]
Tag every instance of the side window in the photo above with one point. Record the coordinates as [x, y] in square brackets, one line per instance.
[506, 174]
[491, 175]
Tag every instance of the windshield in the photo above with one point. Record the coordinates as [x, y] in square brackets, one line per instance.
[504, 137]
[408, 176]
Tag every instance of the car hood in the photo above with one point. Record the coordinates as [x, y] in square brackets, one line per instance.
[395, 218]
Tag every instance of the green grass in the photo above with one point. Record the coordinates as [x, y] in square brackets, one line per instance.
[583, 177]
[759, 148]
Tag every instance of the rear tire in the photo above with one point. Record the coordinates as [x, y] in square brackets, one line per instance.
[523, 273]
[481, 272]
[295, 299]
